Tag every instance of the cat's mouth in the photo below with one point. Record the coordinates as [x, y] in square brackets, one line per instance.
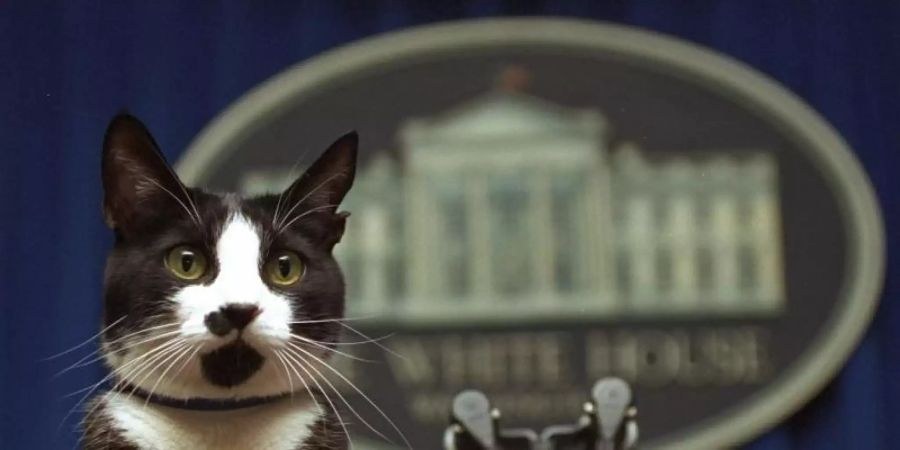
[231, 364]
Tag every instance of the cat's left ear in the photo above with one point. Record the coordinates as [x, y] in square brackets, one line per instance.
[137, 180]
[323, 186]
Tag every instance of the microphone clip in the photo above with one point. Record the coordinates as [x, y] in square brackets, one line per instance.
[608, 422]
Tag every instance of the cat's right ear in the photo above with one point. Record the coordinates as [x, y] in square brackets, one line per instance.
[137, 180]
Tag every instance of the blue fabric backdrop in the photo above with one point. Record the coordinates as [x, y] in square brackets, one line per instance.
[66, 66]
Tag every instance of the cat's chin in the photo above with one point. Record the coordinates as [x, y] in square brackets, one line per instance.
[234, 369]
[231, 364]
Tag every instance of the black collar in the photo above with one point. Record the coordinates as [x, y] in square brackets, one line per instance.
[201, 404]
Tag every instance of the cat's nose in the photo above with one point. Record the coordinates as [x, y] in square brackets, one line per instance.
[230, 317]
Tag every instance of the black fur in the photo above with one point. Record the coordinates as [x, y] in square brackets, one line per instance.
[150, 212]
[231, 365]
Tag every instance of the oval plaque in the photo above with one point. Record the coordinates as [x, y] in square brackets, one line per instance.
[545, 202]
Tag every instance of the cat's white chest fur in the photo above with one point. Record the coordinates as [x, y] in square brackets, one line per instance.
[281, 426]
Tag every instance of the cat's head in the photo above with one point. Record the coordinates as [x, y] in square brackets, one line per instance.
[216, 295]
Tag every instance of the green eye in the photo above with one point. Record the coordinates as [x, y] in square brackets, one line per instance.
[186, 262]
[284, 268]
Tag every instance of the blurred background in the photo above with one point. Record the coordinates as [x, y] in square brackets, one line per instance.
[67, 67]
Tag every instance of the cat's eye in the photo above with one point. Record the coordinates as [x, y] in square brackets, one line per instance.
[284, 268]
[186, 262]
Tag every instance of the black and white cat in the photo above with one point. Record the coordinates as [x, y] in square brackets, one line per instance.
[220, 311]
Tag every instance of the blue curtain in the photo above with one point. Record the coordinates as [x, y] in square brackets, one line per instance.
[66, 66]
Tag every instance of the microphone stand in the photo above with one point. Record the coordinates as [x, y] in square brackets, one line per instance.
[608, 422]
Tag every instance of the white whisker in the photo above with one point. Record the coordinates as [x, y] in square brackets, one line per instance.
[113, 373]
[185, 349]
[86, 342]
[305, 213]
[148, 366]
[343, 399]
[303, 199]
[374, 341]
[194, 219]
[325, 347]
[289, 382]
[82, 363]
[290, 188]
[287, 355]
[367, 341]
[118, 371]
[180, 186]
[336, 319]
[125, 375]
[187, 361]
[360, 392]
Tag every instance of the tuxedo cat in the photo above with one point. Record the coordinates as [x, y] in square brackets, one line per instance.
[220, 311]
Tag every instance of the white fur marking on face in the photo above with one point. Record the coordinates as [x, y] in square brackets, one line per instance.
[238, 281]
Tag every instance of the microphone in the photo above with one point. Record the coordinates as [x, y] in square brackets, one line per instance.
[608, 422]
